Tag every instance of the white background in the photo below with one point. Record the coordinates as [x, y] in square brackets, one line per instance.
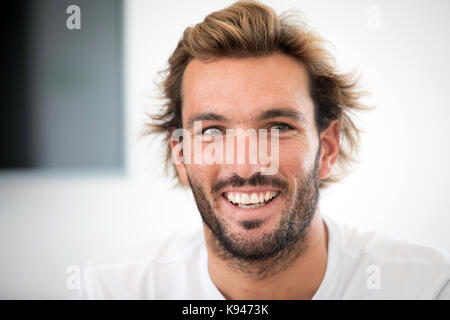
[50, 220]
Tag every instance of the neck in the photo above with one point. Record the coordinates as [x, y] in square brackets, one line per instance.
[300, 279]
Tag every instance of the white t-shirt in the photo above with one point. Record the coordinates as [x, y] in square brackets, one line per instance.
[361, 265]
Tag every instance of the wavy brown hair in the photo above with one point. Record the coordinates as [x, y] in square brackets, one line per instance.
[251, 29]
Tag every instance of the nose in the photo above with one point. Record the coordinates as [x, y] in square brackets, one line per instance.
[244, 156]
[244, 171]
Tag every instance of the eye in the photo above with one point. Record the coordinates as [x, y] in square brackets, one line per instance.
[211, 131]
[282, 127]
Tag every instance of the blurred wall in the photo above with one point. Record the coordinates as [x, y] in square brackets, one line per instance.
[51, 220]
[62, 87]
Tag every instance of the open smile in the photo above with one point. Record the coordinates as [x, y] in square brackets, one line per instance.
[250, 200]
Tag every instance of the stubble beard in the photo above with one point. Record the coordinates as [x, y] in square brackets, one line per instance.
[271, 252]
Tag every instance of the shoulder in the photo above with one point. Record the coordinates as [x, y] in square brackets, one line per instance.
[357, 242]
[165, 250]
[405, 269]
[132, 272]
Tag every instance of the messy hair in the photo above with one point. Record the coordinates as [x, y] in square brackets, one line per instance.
[251, 29]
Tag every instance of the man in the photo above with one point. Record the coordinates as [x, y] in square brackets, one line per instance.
[248, 76]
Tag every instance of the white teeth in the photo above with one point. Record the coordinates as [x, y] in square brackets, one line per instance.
[254, 198]
[261, 197]
[250, 200]
[245, 199]
[250, 206]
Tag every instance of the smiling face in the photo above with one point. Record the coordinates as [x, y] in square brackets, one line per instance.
[256, 216]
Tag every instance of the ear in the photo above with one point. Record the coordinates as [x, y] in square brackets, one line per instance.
[329, 151]
[177, 157]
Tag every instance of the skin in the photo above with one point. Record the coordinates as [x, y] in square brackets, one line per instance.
[239, 90]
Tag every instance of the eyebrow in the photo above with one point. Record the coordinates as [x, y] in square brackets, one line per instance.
[205, 116]
[265, 115]
[282, 113]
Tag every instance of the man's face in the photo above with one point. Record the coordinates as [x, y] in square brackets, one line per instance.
[253, 216]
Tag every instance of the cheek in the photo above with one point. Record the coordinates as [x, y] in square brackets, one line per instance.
[295, 158]
[202, 174]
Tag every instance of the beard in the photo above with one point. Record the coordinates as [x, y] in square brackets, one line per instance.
[271, 251]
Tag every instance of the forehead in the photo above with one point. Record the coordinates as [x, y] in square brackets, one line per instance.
[240, 87]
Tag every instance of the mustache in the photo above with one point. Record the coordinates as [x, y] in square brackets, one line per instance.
[257, 179]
